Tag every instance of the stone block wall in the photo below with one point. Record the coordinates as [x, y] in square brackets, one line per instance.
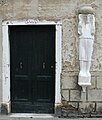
[76, 101]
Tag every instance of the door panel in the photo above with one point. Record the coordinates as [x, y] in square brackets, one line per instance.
[32, 68]
[44, 74]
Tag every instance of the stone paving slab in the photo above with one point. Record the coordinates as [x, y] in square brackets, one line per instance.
[2, 117]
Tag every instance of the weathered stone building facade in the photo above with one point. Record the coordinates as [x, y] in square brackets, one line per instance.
[64, 13]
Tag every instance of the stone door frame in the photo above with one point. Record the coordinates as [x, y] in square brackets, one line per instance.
[6, 106]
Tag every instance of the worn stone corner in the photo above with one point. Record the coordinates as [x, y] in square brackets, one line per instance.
[4, 109]
[58, 110]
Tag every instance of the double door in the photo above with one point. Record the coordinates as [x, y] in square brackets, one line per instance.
[32, 68]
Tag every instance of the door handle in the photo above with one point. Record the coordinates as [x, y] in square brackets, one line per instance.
[21, 66]
[52, 66]
[44, 65]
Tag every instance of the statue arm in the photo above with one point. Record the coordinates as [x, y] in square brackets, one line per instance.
[80, 25]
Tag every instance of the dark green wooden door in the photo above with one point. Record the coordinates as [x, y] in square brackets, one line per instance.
[32, 50]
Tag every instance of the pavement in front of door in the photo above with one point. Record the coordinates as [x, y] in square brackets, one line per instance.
[39, 117]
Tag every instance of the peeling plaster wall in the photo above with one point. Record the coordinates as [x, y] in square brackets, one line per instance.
[67, 12]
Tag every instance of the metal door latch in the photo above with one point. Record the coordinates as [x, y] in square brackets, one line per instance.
[52, 66]
[21, 65]
[43, 65]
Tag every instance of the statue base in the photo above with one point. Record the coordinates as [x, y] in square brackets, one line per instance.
[84, 81]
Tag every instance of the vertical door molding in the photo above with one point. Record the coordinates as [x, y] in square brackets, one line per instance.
[5, 71]
[58, 65]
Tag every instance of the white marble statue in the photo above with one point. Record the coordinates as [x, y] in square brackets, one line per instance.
[86, 30]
